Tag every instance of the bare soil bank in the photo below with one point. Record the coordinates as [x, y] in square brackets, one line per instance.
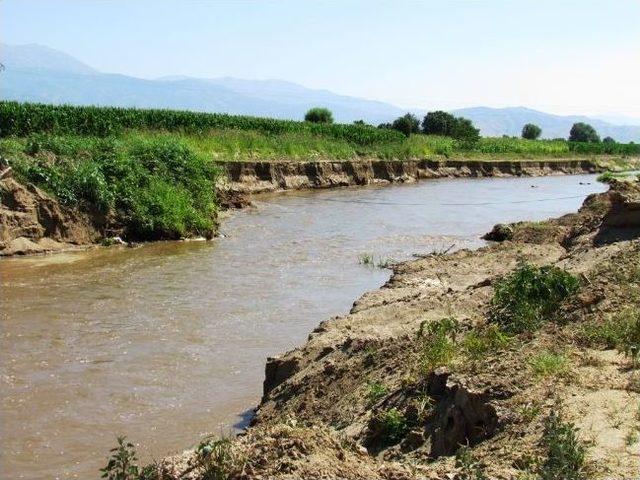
[326, 404]
[256, 177]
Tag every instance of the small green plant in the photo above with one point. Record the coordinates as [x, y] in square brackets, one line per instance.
[365, 259]
[385, 263]
[375, 391]
[478, 343]
[629, 340]
[470, 468]
[547, 364]
[530, 411]
[439, 345]
[607, 334]
[122, 463]
[394, 425]
[606, 177]
[216, 458]
[565, 454]
[529, 295]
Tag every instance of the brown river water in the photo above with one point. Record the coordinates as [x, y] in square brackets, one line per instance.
[167, 342]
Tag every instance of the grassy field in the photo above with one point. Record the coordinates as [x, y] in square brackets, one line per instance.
[155, 170]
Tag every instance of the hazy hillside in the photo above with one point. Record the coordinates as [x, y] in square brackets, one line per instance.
[509, 121]
[40, 74]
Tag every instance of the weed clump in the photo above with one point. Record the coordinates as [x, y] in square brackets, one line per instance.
[216, 459]
[122, 463]
[529, 296]
[470, 468]
[375, 391]
[394, 425]
[547, 364]
[629, 341]
[621, 332]
[565, 454]
[490, 339]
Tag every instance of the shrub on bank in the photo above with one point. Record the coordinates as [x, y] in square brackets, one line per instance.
[154, 188]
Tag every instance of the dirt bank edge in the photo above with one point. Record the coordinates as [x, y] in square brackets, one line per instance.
[273, 176]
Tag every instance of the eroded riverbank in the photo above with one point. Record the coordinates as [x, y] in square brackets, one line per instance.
[168, 342]
[33, 222]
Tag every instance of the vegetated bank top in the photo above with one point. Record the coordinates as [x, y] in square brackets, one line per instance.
[21, 119]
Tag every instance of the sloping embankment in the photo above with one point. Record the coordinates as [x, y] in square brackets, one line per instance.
[257, 177]
[362, 399]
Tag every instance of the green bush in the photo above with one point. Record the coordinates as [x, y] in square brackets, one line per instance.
[531, 131]
[156, 188]
[319, 115]
[464, 131]
[529, 295]
[445, 124]
[407, 124]
[565, 455]
[583, 132]
[438, 123]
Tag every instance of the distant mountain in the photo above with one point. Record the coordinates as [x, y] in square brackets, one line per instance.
[35, 73]
[509, 121]
[40, 74]
[39, 58]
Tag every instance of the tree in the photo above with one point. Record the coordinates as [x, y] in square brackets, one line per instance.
[359, 122]
[319, 115]
[583, 132]
[438, 123]
[406, 124]
[608, 140]
[464, 130]
[531, 131]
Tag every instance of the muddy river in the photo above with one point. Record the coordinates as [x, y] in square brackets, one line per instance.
[167, 342]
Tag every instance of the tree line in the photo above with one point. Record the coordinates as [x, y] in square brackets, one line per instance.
[460, 128]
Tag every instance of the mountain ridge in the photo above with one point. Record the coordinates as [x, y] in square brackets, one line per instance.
[35, 73]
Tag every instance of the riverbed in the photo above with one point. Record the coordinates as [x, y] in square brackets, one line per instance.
[167, 342]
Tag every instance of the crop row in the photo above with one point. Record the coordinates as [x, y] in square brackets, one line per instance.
[21, 119]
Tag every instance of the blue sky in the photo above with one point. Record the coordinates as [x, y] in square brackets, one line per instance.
[569, 56]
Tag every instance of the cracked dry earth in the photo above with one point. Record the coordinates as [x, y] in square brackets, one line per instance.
[319, 417]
